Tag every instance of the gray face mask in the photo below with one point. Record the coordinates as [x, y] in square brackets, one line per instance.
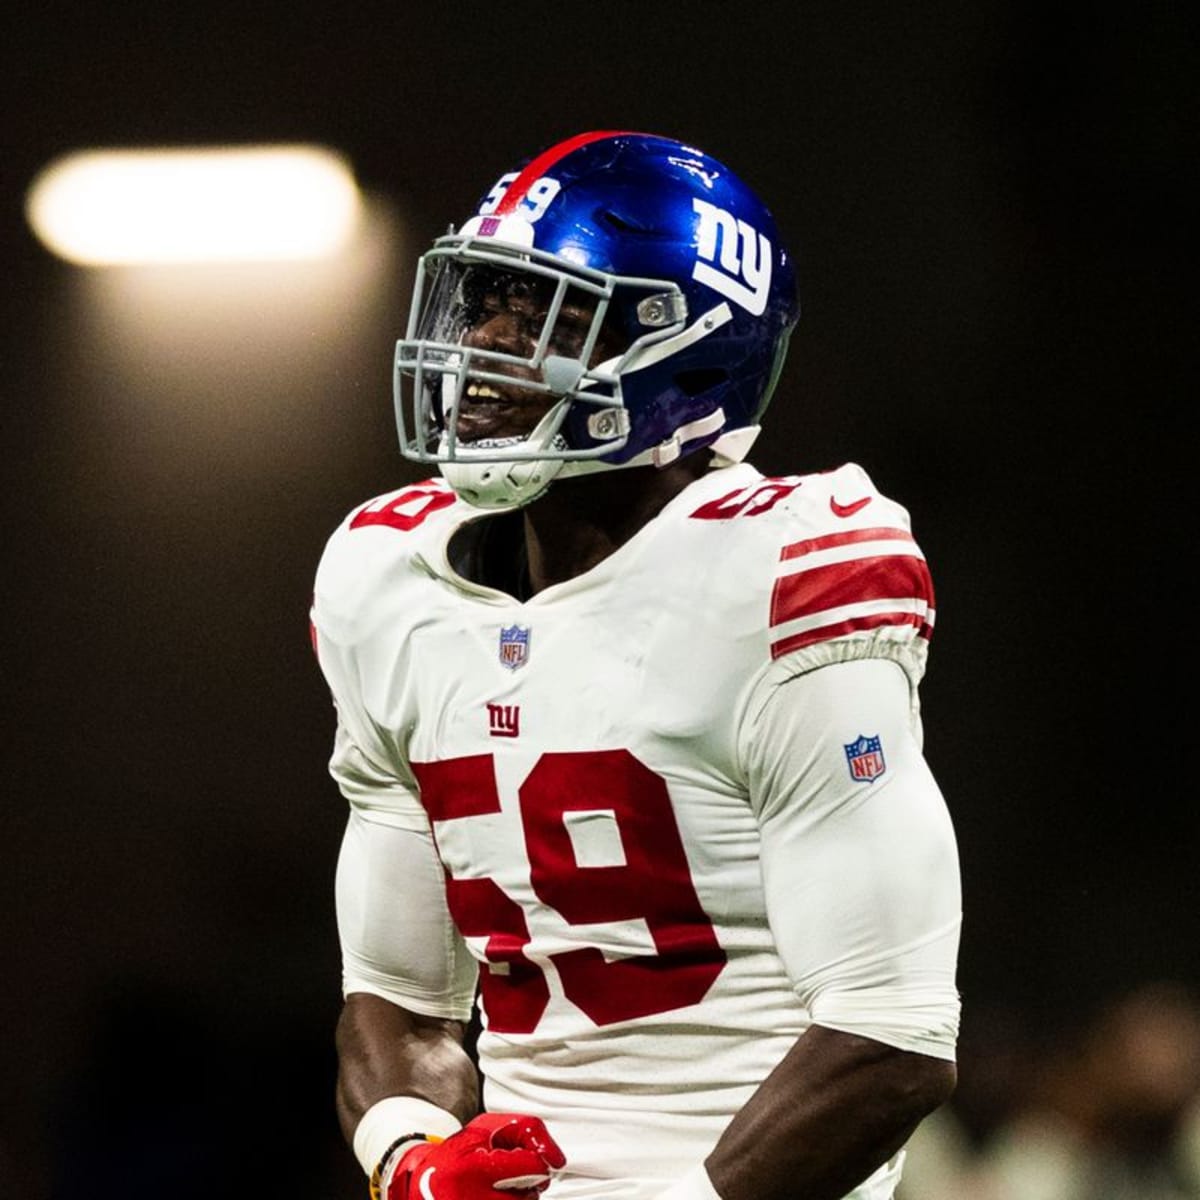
[503, 343]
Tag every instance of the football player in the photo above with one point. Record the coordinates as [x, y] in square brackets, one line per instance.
[629, 732]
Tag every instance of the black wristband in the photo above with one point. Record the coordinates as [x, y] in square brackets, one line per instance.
[376, 1181]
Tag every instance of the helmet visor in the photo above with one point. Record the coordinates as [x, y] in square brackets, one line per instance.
[533, 315]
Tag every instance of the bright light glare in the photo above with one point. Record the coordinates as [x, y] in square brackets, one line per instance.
[220, 204]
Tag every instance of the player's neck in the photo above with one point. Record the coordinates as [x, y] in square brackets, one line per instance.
[579, 522]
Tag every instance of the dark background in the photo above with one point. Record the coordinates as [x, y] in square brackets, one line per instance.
[989, 204]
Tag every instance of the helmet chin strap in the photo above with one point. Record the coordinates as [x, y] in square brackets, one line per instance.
[501, 485]
[728, 449]
[494, 485]
[505, 484]
[498, 485]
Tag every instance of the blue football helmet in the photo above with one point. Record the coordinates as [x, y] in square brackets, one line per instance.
[659, 302]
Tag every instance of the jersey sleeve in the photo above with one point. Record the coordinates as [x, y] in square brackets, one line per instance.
[396, 935]
[367, 765]
[859, 862]
[397, 938]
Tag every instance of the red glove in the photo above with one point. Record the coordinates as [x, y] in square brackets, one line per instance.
[508, 1152]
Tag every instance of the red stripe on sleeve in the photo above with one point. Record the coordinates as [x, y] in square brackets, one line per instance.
[544, 161]
[885, 577]
[797, 549]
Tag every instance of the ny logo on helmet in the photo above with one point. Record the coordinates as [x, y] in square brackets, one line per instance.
[744, 275]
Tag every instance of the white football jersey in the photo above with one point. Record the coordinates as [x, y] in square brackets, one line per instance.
[577, 765]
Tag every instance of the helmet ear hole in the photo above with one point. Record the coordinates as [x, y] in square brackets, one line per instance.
[700, 380]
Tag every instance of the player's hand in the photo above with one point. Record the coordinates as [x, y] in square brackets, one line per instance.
[497, 1156]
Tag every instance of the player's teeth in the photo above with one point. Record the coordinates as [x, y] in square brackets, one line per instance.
[481, 391]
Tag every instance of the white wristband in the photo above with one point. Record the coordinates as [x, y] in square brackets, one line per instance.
[393, 1117]
[695, 1185]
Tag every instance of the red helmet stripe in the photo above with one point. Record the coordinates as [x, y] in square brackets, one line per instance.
[544, 161]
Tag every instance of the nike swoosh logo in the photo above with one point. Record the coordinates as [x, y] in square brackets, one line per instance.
[425, 1183]
[848, 510]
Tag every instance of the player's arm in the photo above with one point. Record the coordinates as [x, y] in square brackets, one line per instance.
[407, 1091]
[405, 1082]
[836, 1108]
[407, 980]
[387, 1050]
[864, 902]
[399, 1070]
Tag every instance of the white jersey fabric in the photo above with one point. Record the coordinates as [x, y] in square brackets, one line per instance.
[666, 814]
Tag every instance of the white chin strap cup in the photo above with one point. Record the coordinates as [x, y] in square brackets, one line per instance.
[504, 484]
[500, 484]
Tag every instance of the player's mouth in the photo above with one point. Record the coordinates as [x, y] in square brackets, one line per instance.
[488, 411]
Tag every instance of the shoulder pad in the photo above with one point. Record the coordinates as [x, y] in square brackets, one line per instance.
[406, 508]
[848, 567]
[374, 547]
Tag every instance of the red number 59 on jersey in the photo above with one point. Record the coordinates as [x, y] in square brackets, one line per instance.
[654, 884]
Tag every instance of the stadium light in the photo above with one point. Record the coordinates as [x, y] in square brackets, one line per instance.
[214, 204]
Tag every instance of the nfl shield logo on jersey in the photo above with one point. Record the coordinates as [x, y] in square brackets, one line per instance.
[514, 647]
[865, 757]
